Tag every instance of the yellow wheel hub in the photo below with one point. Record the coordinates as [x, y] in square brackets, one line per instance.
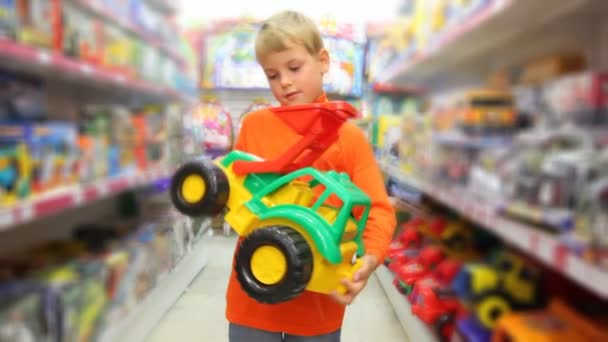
[490, 305]
[193, 188]
[268, 265]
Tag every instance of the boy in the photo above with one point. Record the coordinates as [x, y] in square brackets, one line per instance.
[290, 50]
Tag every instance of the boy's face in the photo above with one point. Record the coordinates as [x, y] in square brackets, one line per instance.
[294, 75]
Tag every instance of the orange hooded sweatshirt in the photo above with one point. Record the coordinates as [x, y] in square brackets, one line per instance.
[310, 314]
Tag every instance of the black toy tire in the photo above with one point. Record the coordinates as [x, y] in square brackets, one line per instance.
[216, 193]
[299, 259]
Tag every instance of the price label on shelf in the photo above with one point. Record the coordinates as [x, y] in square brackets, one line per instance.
[86, 69]
[44, 57]
[6, 218]
[78, 197]
[546, 249]
[103, 189]
[27, 211]
[534, 242]
[578, 269]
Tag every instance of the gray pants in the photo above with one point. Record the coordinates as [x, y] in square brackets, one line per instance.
[239, 333]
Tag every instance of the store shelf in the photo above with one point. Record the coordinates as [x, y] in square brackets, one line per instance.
[165, 6]
[146, 315]
[413, 327]
[533, 241]
[44, 62]
[503, 33]
[70, 197]
[130, 28]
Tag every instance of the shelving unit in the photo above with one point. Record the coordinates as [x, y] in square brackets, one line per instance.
[62, 199]
[543, 246]
[52, 64]
[414, 328]
[128, 27]
[505, 32]
[140, 323]
[73, 92]
[166, 6]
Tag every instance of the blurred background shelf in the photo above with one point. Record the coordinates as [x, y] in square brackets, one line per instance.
[166, 6]
[62, 199]
[533, 241]
[504, 33]
[146, 315]
[53, 65]
[94, 8]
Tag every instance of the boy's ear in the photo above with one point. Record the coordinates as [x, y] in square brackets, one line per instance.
[324, 59]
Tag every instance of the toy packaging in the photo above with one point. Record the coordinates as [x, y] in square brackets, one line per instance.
[28, 313]
[15, 173]
[22, 99]
[560, 322]
[581, 98]
[39, 22]
[8, 19]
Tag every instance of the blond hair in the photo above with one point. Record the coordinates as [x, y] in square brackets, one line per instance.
[284, 28]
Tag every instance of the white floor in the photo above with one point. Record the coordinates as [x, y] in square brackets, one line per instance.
[199, 314]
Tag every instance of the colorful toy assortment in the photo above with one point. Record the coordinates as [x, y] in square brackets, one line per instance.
[229, 60]
[73, 28]
[294, 238]
[422, 26]
[536, 153]
[217, 126]
[75, 289]
[485, 294]
[38, 155]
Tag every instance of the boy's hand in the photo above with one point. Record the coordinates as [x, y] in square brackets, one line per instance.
[358, 282]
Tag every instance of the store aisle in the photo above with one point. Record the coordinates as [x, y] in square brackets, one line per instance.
[199, 314]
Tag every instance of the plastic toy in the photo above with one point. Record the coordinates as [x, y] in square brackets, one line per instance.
[292, 240]
[409, 239]
[578, 98]
[488, 111]
[533, 179]
[560, 323]
[15, 174]
[441, 277]
[508, 283]
[409, 273]
[439, 308]
[469, 329]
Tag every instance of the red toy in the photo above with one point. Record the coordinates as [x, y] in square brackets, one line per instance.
[410, 238]
[409, 273]
[403, 257]
[439, 309]
[317, 123]
[441, 277]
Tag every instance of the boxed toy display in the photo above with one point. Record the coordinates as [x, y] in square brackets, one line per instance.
[8, 19]
[581, 99]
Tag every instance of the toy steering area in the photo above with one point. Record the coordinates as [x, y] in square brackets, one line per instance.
[293, 238]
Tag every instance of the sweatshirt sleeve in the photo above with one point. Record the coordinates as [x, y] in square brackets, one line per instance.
[366, 174]
[241, 140]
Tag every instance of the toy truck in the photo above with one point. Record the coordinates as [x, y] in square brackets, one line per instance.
[560, 323]
[508, 283]
[292, 239]
[439, 308]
